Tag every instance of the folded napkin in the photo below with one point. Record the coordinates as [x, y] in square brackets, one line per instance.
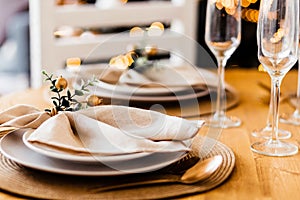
[107, 130]
[161, 76]
[22, 116]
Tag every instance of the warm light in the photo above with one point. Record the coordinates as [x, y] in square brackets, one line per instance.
[277, 36]
[219, 5]
[230, 11]
[245, 3]
[250, 15]
[67, 31]
[136, 32]
[73, 61]
[120, 62]
[151, 50]
[158, 25]
[252, 1]
[261, 68]
[229, 5]
[155, 29]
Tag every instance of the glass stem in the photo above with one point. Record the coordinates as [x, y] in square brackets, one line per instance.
[276, 82]
[269, 119]
[220, 103]
[296, 113]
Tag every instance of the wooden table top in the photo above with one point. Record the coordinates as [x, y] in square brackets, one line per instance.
[255, 176]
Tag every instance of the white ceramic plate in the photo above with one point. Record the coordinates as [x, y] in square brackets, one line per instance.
[12, 146]
[53, 153]
[96, 70]
[187, 95]
[136, 90]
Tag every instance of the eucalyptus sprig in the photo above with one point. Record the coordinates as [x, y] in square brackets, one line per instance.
[66, 101]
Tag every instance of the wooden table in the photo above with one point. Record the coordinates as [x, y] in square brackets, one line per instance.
[255, 176]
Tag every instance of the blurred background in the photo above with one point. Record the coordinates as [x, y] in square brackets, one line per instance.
[15, 65]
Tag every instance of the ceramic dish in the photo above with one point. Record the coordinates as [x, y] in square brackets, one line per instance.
[12, 147]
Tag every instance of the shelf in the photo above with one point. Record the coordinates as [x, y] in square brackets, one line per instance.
[64, 15]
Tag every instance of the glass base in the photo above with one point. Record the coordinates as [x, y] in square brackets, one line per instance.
[266, 133]
[222, 121]
[290, 119]
[274, 148]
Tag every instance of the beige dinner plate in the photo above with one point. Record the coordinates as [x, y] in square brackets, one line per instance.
[186, 95]
[12, 147]
[87, 72]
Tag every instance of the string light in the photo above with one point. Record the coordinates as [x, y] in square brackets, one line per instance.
[248, 14]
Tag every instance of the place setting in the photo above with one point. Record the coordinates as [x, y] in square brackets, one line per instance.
[48, 150]
[84, 151]
[163, 82]
[105, 137]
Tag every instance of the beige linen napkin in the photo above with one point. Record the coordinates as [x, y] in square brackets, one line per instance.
[110, 130]
[111, 75]
[22, 116]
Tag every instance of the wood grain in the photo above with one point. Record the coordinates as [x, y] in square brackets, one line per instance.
[254, 176]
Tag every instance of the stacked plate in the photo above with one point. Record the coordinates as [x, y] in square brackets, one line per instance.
[145, 91]
[16, 147]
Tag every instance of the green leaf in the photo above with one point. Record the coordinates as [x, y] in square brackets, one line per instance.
[55, 103]
[55, 98]
[54, 90]
[69, 95]
[65, 103]
[82, 83]
[74, 100]
[78, 106]
[79, 93]
[58, 108]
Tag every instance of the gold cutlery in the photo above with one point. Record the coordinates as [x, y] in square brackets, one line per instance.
[199, 172]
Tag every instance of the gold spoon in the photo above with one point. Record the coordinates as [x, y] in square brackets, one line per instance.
[199, 172]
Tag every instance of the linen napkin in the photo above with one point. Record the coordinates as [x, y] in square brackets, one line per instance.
[161, 76]
[22, 116]
[110, 130]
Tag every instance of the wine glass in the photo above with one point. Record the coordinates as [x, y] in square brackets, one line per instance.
[222, 36]
[293, 118]
[277, 39]
[266, 132]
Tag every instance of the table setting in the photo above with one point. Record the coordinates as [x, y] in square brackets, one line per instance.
[103, 136]
[161, 82]
[134, 128]
[42, 147]
[115, 147]
[104, 149]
